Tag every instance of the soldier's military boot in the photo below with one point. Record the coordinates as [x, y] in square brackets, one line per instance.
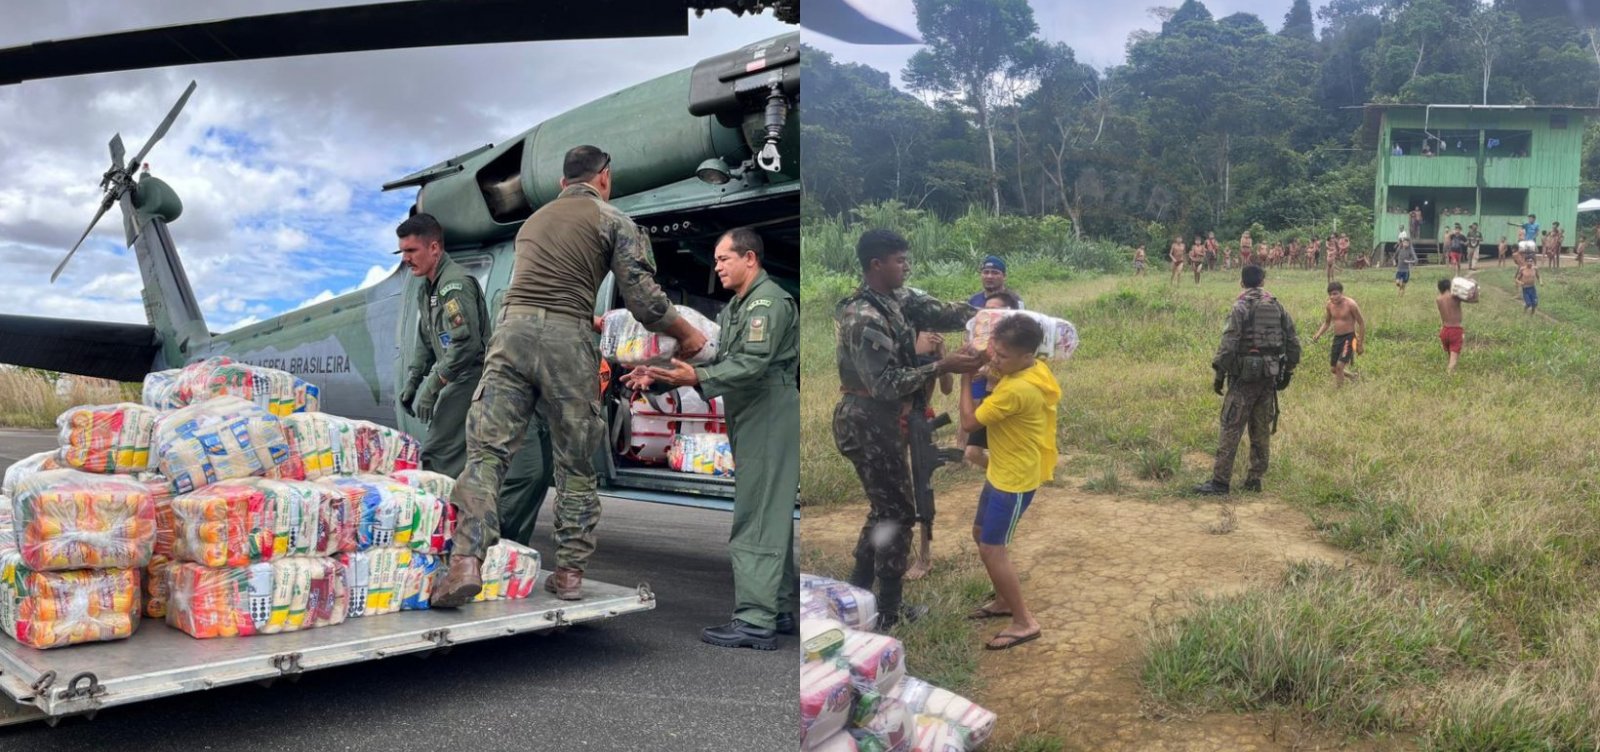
[1252, 484]
[461, 584]
[566, 583]
[785, 623]
[739, 634]
[890, 608]
[1212, 488]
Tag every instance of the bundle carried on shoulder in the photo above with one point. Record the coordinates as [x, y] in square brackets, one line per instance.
[222, 439]
[624, 339]
[278, 392]
[107, 438]
[262, 598]
[1464, 289]
[68, 519]
[1060, 336]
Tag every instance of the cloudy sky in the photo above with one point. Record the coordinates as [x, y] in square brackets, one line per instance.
[278, 162]
[1097, 30]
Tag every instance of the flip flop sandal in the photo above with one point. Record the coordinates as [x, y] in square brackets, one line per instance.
[1011, 641]
[984, 612]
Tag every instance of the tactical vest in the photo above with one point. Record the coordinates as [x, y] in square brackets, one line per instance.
[1261, 342]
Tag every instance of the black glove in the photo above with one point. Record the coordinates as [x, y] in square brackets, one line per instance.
[1283, 380]
[406, 396]
[1216, 383]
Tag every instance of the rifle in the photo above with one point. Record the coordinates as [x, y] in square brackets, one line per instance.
[926, 456]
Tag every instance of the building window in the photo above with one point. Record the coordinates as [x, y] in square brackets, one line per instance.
[1508, 144]
[1505, 202]
[1455, 143]
[1558, 122]
[1406, 142]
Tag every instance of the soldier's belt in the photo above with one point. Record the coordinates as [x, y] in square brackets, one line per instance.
[540, 312]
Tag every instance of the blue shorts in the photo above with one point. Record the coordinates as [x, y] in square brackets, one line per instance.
[998, 512]
[1403, 276]
[1530, 297]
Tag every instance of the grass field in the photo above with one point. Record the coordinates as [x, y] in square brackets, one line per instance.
[1471, 502]
[32, 399]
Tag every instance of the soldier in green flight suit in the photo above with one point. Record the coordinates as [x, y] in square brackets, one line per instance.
[755, 374]
[446, 364]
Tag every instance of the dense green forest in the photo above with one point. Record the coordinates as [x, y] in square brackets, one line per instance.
[1209, 124]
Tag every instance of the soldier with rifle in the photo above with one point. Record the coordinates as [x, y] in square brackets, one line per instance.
[881, 383]
[1256, 360]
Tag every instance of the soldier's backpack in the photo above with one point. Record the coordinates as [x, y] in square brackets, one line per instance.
[1260, 362]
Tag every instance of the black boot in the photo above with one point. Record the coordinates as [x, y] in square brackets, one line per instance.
[866, 563]
[891, 610]
[1252, 484]
[785, 623]
[1212, 488]
[739, 634]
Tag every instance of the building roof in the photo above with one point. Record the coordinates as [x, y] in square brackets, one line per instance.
[1373, 112]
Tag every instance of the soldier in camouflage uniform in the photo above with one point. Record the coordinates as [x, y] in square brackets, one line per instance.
[755, 373]
[881, 382]
[1257, 358]
[446, 365]
[544, 359]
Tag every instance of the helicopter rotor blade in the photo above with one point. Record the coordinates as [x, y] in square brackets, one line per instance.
[161, 130]
[117, 152]
[104, 206]
[843, 21]
[398, 24]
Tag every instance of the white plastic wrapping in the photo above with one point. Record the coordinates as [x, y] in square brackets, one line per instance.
[107, 438]
[625, 340]
[68, 519]
[220, 439]
[702, 454]
[1060, 336]
[27, 466]
[278, 392]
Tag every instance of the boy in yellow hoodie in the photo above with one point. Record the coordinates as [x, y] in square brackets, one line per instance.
[1020, 419]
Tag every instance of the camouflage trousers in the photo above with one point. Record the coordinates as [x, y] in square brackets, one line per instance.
[1246, 406]
[539, 365]
[867, 432]
[527, 480]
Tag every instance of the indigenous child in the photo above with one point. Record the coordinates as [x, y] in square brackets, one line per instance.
[1451, 335]
[1138, 262]
[1343, 316]
[1404, 257]
[1175, 254]
[1528, 279]
[1503, 250]
[1197, 256]
[1020, 415]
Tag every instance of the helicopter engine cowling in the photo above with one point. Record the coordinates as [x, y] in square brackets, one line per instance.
[152, 197]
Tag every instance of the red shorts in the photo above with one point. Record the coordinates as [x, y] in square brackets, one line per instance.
[1451, 337]
[1455, 258]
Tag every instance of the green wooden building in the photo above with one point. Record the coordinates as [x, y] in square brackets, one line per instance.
[1489, 164]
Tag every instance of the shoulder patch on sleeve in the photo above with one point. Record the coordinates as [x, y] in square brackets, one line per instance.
[762, 303]
[450, 287]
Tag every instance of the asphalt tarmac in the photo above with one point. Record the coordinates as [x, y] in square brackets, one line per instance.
[637, 682]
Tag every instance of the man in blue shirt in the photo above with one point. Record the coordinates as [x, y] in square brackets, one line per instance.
[993, 273]
[1530, 230]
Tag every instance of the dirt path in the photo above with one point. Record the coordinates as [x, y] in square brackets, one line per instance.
[1095, 567]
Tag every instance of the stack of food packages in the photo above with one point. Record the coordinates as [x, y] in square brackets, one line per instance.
[329, 445]
[854, 691]
[277, 392]
[1060, 336]
[71, 544]
[509, 568]
[625, 340]
[682, 430]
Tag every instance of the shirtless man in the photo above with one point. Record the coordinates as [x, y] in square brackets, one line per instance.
[1197, 256]
[1451, 334]
[1312, 249]
[1246, 249]
[1558, 240]
[1416, 223]
[1583, 245]
[1333, 254]
[1456, 241]
[1138, 261]
[1343, 316]
[1503, 249]
[1175, 254]
[1211, 251]
[1528, 279]
[1474, 242]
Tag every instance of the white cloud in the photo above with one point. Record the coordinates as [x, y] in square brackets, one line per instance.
[375, 274]
[321, 297]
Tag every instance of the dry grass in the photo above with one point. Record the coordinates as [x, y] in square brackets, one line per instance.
[32, 399]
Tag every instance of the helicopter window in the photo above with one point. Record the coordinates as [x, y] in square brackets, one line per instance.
[478, 266]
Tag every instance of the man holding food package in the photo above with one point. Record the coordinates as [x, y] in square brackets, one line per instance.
[881, 382]
[754, 371]
[543, 360]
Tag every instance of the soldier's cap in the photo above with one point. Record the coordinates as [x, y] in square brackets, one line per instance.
[993, 262]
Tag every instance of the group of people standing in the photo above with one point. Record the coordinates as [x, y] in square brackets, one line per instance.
[510, 408]
[1206, 254]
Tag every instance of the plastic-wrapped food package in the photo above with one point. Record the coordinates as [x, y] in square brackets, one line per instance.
[624, 339]
[873, 660]
[390, 579]
[438, 484]
[156, 583]
[974, 722]
[166, 522]
[285, 595]
[326, 443]
[52, 609]
[815, 605]
[278, 392]
[690, 410]
[701, 453]
[825, 701]
[33, 463]
[382, 450]
[219, 440]
[1464, 289]
[67, 519]
[509, 572]
[310, 519]
[1060, 336]
[839, 742]
[935, 735]
[395, 514]
[107, 438]
[857, 608]
[227, 524]
[890, 728]
[821, 639]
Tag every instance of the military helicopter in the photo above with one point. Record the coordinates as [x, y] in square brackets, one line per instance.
[722, 150]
